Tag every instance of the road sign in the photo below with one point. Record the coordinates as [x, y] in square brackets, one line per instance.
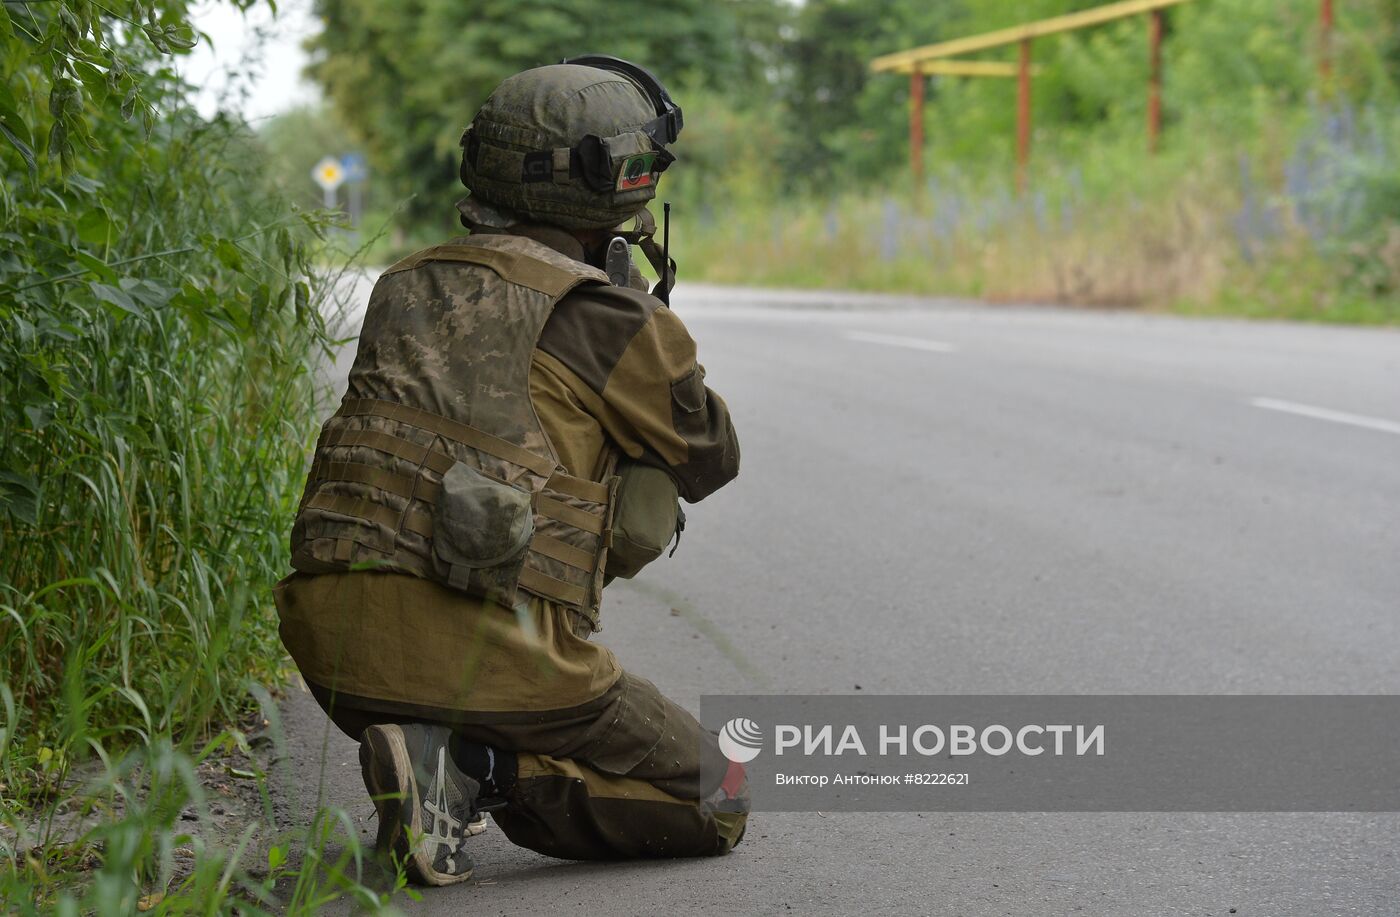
[354, 166]
[328, 173]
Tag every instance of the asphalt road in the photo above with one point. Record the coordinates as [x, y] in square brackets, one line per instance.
[942, 498]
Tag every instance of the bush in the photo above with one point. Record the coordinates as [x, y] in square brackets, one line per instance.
[161, 321]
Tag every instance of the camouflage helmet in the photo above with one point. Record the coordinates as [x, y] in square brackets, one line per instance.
[579, 144]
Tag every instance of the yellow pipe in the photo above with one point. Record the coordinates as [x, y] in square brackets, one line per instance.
[959, 68]
[1067, 23]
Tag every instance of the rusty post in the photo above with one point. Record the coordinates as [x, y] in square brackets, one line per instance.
[916, 128]
[1327, 24]
[1023, 116]
[1154, 80]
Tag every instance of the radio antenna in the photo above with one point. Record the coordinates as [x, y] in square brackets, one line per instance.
[665, 296]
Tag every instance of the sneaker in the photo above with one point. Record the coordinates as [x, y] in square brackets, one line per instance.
[425, 805]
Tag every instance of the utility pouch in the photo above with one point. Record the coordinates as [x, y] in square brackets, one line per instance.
[481, 528]
[647, 517]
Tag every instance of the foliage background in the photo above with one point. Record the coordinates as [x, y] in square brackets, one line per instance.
[160, 314]
[1273, 193]
[163, 282]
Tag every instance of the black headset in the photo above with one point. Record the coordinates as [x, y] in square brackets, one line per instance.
[669, 121]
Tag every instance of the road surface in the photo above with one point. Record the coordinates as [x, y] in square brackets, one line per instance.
[944, 498]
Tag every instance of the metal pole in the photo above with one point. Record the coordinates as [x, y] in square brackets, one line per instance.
[916, 128]
[1154, 80]
[1328, 25]
[1023, 116]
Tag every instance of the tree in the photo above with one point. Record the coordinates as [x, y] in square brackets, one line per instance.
[407, 77]
[842, 119]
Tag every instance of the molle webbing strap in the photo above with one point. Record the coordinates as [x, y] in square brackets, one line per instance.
[511, 266]
[421, 523]
[544, 584]
[592, 491]
[400, 485]
[438, 461]
[416, 521]
[579, 519]
[461, 433]
[563, 552]
[426, 456]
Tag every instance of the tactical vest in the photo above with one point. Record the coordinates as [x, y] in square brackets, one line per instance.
[436, 464]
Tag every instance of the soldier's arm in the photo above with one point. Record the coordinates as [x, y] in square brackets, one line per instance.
[635, 370]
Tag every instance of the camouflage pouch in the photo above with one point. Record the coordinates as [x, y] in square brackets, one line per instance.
[481, 528]
[647, 517]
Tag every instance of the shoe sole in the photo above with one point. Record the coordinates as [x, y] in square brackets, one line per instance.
[388, 774]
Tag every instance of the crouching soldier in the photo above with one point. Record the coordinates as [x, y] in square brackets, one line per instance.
[516, 431]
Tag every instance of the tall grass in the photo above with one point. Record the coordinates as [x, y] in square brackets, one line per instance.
[161, 319]
[156, 418]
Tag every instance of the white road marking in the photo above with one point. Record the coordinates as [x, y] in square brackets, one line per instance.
[1307, 410]
[894, 340]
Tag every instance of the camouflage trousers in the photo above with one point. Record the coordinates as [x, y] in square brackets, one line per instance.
[608, 768]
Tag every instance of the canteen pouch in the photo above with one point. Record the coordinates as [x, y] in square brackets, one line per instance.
[481, 528]
[647, 517]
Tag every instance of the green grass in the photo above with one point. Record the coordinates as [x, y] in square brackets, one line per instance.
[1298, 226]
[161, 317]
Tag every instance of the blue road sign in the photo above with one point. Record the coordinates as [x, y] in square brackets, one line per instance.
[356, 169]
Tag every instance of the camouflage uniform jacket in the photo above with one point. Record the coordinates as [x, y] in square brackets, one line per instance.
[509, 354]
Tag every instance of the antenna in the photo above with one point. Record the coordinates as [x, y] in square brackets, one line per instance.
[665, 296]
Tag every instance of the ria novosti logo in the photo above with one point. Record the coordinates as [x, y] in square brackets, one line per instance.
[741, 740]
